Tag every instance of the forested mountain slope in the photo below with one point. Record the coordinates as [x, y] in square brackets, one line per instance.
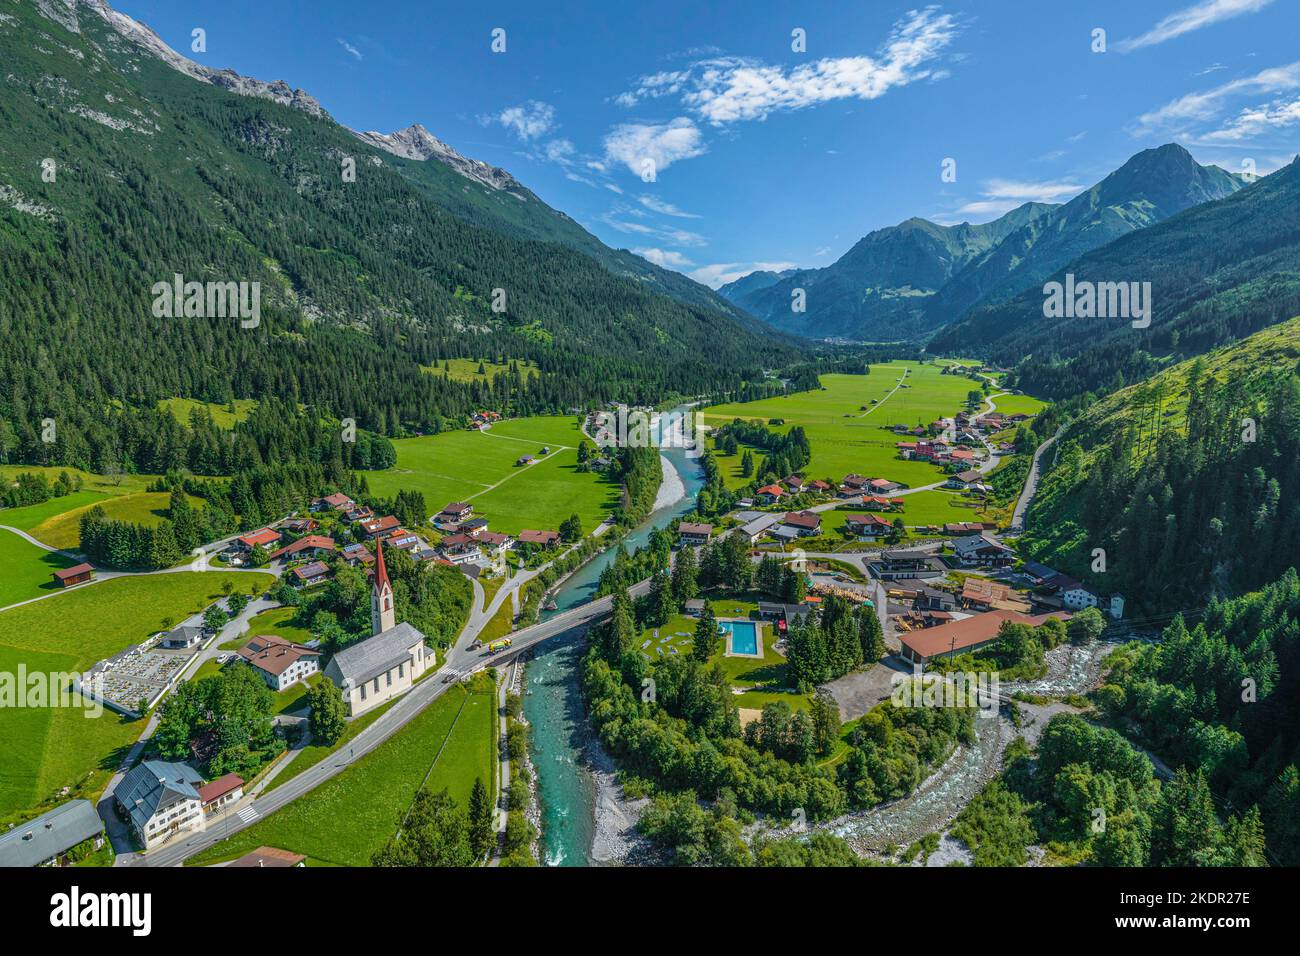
[878, 289]
[1152, 186]
[152, 173]
[1218, 272]
[1189, 482]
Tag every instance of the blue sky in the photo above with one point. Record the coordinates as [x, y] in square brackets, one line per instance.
[763, 155]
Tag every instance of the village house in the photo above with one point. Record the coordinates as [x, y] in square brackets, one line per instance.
[455, 512]
[334, 502]
[867, 527]
[221, 793]
[263, 539]
[982, 551]
[358, 554]
[1071, 593]
[908, 563]
[301, 525]
[496, 542]
[358, 513]
[280, 663]
[376, 527]
[819, 487]
[379, 668]
[474, 527]
[312, 546]
[401, 539]
[853, 484]
[44, 839]
[960, 637]
[459, 548]
[965, 480]
[306, 575]
[881, 503]
[769, 494]
[759, 526]
[794, 483]
[980, 594]
[542, 539]
[959, 528]
[693, 533]
[882, 486]
[805, 523]
[160, 799]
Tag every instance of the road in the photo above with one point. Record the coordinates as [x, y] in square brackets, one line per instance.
[1031, 485]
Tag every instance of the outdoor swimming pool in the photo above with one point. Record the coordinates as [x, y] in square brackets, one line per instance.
[742, 637]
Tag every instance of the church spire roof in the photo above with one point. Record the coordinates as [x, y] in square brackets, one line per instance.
[381, 570]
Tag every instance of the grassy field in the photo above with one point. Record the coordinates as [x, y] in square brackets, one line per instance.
[272, 623]
[62, 530]
[345, 820]
[466, 370]
[1019, 404]
[313, 754]
[222, 415]
[26, 570]
[844, 427]
[48, 748]
[479, 468]
[115, 485]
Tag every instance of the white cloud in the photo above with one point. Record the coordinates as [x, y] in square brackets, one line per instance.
[633, 144]
[728, 89]
[720, 273]
[1199, 107]
[1202, 14]
[1003, 195]
[528, 121]
[668, 258]
[654, 204]
[1257, 119]
[350, 48]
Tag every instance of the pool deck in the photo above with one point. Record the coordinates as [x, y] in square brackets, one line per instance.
[758, 638]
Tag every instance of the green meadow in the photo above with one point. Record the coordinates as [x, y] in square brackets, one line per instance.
[466, 370]
[346, 819]
[26, 571]
[479, 468]
[63, 530]
[846, 420]
[46, 749]
[223, 416]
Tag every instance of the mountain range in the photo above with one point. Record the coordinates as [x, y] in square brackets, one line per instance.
[911, 279]
[123, 163]
[1219, 271]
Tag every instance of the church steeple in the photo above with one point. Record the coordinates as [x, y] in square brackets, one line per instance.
[382, 612]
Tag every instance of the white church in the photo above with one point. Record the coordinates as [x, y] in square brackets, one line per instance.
[383, 666]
